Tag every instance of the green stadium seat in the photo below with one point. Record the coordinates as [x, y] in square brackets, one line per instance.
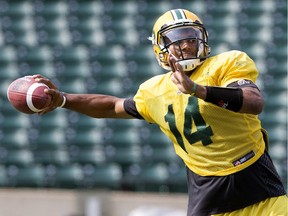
[278, 151]
[16, 121]
[71, 54]
[34, 54]
[122, 138]
[123, 124]
[106, 72]
[17, 157]
[106, 54]
[152, 136]
[35, 60]
[159, 154]
[153, 9]
[31, 176]
[72, 84]
[124, 156]
[153, 178]
[50, 9]
[120, 8]
[14, 138]
[16, 9]
[85, 138]
[52, 120]
[83, 156]
[3, 177]
[7, 55]
[51, 157]
[121, 36]
[69, 176]
[51, 139]
[83, 122]
[83, 9]
[107, 176]
[112, 86]
[177, 180]
[53, 38]
[9, 72]
[87, 37]
[25, 38]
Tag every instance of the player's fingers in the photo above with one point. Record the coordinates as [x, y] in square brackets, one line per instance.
[179, 68]
[56, 100]
[171, 62]
[46, 81]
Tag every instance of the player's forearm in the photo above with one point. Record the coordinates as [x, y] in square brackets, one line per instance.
[251, 100]
[94, 105]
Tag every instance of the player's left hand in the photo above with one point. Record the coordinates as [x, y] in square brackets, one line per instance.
[181, 80]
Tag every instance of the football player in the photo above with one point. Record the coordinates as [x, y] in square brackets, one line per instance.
[208, 107]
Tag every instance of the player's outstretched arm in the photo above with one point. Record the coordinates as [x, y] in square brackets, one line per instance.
[94, 105]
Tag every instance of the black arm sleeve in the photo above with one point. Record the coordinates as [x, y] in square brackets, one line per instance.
[130, 108]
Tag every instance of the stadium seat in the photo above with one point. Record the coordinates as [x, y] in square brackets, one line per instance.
[16, 9]
[106, 54]
[51, 157]
[106, 72]
[121, 138]
[107, 176]
[68, 176]
[16, 121]
[124, 156]
[24, 38]
[17, 157]
[80, 122]
[154, 137]
[153, 178]
[51, 139]
[163, 154]
[8, 59]
[85, 138]
[83, 156]
[113, 86]
[36, 60]
[86, 9]
[9, 72]
[50, 9]
[14, 138]
[52, 120]
[177, 180]
[3, 177]
[31, 176]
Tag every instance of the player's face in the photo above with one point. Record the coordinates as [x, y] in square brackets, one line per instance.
[182, 42]
[185, 49]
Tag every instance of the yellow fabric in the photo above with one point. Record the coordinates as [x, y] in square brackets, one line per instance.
[208, 138]
[275, 206]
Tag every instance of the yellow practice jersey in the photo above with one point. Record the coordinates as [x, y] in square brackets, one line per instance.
[211, 140]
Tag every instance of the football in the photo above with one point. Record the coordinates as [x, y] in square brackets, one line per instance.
[28, 96]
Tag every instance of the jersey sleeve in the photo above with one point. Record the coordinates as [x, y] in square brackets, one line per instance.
[141, 104]
[239, 66]
[130, 108]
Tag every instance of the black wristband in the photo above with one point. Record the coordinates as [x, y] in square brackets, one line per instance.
[227, 98]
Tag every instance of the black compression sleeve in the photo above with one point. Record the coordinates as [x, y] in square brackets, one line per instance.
[227, 98]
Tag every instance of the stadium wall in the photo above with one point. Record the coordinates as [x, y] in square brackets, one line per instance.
[53, 202]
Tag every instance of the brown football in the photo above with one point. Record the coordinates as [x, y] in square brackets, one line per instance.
[28, 96]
